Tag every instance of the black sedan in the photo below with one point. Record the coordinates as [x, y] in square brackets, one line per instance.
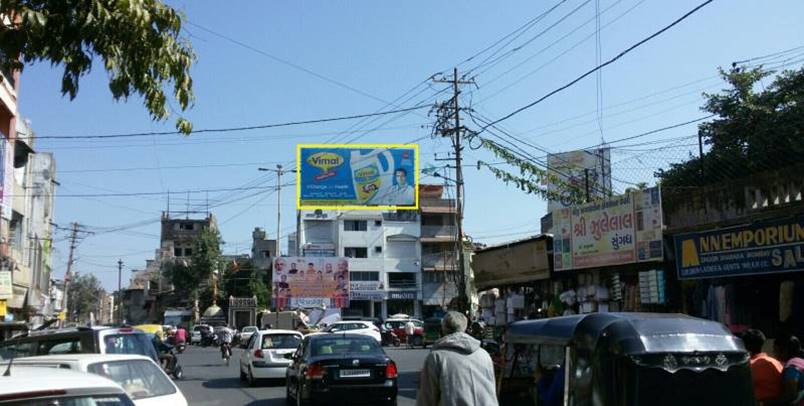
[333, 368]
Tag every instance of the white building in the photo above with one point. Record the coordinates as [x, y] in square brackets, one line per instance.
[384, 252]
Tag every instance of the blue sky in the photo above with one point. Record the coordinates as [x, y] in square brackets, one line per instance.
[344, 58]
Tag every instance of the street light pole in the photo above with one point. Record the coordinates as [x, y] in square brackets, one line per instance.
[119, 291]
[279, 173]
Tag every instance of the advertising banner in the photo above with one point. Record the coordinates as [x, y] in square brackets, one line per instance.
[509, 264]
[572, 169]
[311, 281]
[759, 248]
[366, 290]
[603, 233]
[360, 176]
[618, 230]
[6, 287]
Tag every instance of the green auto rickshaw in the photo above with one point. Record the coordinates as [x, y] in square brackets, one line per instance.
[432, 330]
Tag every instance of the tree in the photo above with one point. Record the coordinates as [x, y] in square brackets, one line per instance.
[83, 295]
[138, 41]
[753, 130]
[242, 279]
[188, 277]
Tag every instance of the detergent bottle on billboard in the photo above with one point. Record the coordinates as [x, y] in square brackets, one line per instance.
[369, 178]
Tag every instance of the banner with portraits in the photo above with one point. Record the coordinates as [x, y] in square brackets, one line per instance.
[310, 282]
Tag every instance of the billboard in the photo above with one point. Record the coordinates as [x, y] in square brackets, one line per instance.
[357, 176]
[310, 282]
[618, 230]
[759, 248]
[513, 263]
[570, 169]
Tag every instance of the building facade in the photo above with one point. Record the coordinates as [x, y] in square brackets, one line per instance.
[439, 245]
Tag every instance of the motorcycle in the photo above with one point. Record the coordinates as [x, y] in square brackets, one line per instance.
[208, 339]
[390, 338]
[226, 352]
[170, 362]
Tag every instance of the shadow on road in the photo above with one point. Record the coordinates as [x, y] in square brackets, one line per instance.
[222, 383]
[267, 402]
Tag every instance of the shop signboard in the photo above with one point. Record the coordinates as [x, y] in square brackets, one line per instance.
[6, 286]
[403, 295]
[366, 290]
[618, 230]
[513, 263]
[357, 176]
[763, 247]
[311, 281]
[572, 169]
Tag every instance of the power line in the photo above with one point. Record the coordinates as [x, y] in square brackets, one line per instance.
[598, 67]
[245, 128]
[173, 192]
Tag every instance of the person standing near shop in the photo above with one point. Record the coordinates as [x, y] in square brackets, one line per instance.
[788, 350]
[766, 372]
[457, 371]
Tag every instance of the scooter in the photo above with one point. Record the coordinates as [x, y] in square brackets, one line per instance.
[390, 338]
[171, 365]
[226, 352]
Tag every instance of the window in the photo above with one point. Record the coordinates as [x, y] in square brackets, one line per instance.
[176, 252]
[282, 341]
[377, 223]
[187, 226]
[355, 225]
[16, 350]
[55, 347]
[432, 277]
[345, 345]
[266, 254]
[402, 280]
[378, 250]
[139, 378]
[355, 252]
[364, 276]
[188, 252]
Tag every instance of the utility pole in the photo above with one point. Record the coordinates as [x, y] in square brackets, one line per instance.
[119, 291]
[279, 173]
[456, 133]
[68, 275]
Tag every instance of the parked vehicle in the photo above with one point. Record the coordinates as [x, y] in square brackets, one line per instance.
[389, 337]
[626, 359]
[366, 328]
[198, 332]
[285, 320]
[143, 380]
[398, 325]
[432, 331]
[332, 368]
[55, 386]
[267, 354]
[245, 334]
[91, 340]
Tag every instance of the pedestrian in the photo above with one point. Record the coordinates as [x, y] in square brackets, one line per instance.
[766, 372]
[788, 351]
[181, 335]
[457, 371]
[410, 332]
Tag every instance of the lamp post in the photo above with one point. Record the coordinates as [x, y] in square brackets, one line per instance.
[278, 172]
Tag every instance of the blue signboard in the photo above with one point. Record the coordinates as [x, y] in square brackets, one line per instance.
[367, 176]
[760, 248]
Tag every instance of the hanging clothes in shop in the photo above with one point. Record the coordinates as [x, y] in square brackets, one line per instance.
[786, 291]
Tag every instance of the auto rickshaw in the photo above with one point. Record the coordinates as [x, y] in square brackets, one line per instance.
[623, 359]
[152, 329]
[432, 331]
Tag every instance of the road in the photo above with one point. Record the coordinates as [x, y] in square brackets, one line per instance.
[208, 382]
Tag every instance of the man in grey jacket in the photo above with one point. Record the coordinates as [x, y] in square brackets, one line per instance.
[457, 372]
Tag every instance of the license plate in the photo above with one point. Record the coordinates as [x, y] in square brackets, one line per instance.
[355, 373]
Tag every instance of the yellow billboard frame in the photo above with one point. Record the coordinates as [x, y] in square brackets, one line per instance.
[415, 148]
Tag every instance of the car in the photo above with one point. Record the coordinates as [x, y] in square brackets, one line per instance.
[267, 354]
[361, 327]
[397, 325]
[144, 381]
[198, 332]
[341, 368]
[245, 333]
[80, 340]
[32, 386]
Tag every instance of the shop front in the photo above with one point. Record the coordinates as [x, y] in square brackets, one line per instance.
[748, 275]
[402, 302]
[365, 299]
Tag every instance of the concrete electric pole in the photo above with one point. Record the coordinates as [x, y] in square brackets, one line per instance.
[279, 173]
[119, 291]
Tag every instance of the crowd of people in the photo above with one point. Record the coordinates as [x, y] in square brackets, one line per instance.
[777, 379]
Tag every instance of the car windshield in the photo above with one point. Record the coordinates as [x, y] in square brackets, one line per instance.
[139, 378]
[249, 329]
[280, 341]
[138, 344]
[87, 400]
[344, 345]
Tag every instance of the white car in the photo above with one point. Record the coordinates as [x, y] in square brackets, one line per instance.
[267, 354]
[144, 381]
[197, 333]
[365, 328]
[246, 333]
[52, 386]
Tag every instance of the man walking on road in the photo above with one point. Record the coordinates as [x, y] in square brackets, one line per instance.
[457, 371]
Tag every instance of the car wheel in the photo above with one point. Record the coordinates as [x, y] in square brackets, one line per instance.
[299, 401]
[178, 373]
[251, 380]
[242, 374]
[417, 341]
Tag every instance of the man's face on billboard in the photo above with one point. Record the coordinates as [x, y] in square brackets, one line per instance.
[280, 265]
[401, 178]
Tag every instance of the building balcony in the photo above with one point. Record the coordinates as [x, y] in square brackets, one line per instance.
[441, 232]
[431, 205]
[440, 261]
[402, 264]
[366, 264]
[403, 286]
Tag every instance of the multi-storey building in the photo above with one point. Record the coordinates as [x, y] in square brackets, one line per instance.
[439, 245]
[383, 252]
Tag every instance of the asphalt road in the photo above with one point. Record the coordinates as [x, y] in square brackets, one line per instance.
[208, 382]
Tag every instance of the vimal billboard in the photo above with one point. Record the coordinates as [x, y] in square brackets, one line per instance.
[357, 176]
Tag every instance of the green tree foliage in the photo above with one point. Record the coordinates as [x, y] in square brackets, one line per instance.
[188, 276]
[758, 127]
[138, 42]
[83, 296]
[244, 280]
